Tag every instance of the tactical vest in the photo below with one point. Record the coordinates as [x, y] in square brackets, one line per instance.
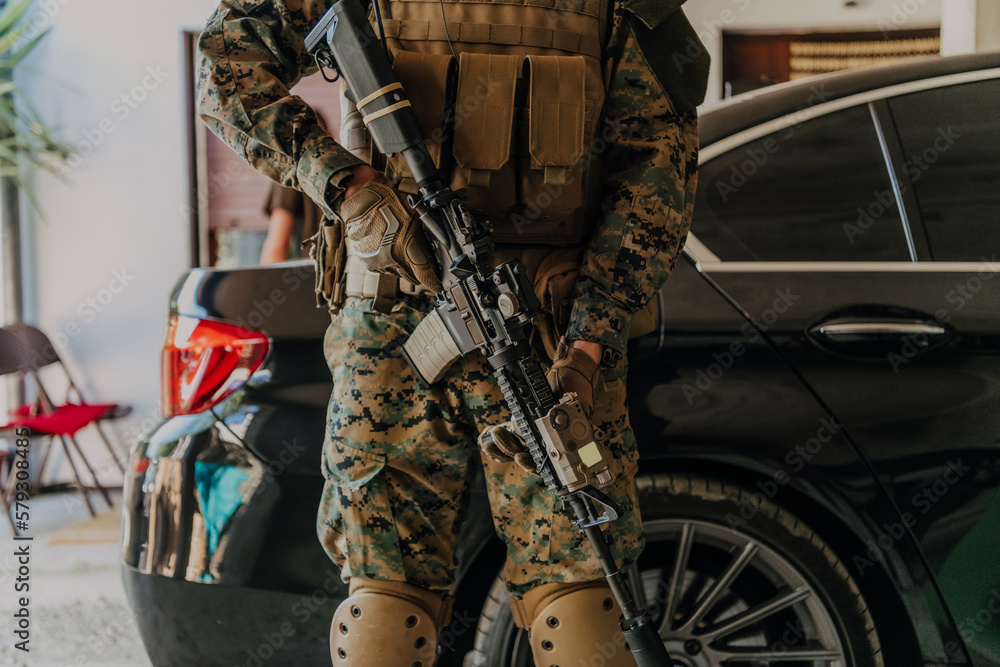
[524, 107]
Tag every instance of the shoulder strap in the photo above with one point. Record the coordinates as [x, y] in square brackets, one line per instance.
[652, 12]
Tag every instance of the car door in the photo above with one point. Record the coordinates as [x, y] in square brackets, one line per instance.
[874, 218]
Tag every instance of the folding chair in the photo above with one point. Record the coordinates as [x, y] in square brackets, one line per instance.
[42, 353]
[6, 474]
[58, 422]
[13, 358]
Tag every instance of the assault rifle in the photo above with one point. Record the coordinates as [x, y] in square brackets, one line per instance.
[482, 307]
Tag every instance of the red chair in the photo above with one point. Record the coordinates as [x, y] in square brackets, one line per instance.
[25, 350]
[43, 353]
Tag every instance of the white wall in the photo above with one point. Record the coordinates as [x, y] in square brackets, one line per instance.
[100, 267]
[958, 27]
[711, 17]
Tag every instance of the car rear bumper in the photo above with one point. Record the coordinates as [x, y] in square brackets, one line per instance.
[219, 555]
[184, 623]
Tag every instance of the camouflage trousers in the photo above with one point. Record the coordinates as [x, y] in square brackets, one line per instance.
[398, 460]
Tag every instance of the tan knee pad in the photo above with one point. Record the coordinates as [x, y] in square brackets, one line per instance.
[573, 624]
[387, 624]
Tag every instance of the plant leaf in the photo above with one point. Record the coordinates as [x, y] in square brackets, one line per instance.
[12, 13]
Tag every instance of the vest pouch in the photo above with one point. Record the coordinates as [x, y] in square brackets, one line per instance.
[554, 281]
[427, 80]
[327, 250]
[484, 120]
[553, 132]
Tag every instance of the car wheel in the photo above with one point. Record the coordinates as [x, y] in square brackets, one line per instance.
[724, 587]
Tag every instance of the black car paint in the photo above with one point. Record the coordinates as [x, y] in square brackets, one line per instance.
[734, 435]
[740, 417]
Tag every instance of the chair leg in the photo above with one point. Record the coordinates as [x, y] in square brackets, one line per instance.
[111, 450]
[45, 459]
[72, 465]
[6, 510]
[9, 487]
[6, 503]
[86, 463]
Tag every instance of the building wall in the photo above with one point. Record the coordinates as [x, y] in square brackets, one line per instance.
[101, 263]
[712, 17]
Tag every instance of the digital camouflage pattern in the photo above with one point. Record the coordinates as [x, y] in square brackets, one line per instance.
[398, 461]
[250, 54]
[650, 177]
[398, 457]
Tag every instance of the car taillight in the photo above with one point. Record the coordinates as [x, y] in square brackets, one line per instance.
[204, 361]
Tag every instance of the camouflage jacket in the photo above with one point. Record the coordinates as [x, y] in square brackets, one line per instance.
[251, 53]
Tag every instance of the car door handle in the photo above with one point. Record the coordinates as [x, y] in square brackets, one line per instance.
[876, 335]
[865, 329]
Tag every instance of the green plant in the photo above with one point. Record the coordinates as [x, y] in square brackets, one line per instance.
[25, 142]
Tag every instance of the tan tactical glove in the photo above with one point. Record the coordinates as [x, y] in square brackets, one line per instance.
[502, 445]
[574, 370]
[386, 234]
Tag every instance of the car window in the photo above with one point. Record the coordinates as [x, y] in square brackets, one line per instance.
[951, 143]
[814, 191]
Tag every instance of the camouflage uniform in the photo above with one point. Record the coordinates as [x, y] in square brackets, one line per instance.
[398, 457]
[398, 462]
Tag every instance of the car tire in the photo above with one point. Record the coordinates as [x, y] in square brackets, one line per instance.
[778, 588]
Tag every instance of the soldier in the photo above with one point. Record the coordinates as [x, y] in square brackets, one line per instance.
[573, 127]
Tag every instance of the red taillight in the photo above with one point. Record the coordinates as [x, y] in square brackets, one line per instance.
[204, 362]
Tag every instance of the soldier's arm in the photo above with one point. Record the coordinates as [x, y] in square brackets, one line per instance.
[650, 173]
[250, 54]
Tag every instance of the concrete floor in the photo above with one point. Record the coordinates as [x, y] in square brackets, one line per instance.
[79, 614]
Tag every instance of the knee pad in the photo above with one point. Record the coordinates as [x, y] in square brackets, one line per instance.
[387, 624]
[573, 624]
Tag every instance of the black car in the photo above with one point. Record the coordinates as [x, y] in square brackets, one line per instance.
[818, 411]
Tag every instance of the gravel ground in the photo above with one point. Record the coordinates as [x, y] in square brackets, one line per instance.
[79, 614]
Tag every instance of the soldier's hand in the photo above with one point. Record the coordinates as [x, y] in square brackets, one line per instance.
[577, 368]
[502, 444]
[361, 175]
[373, 211]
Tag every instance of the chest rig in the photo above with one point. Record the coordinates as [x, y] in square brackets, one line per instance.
[514, 121]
